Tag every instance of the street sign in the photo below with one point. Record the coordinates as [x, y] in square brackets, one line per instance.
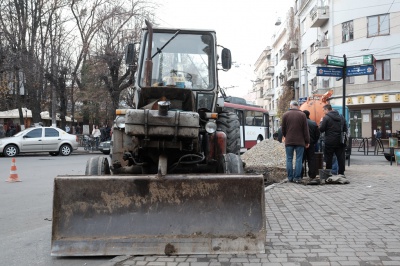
[359, 70]
[360, 60]
[334, 60]
[330, 71]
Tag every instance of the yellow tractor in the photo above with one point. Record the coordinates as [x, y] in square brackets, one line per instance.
[174, 181]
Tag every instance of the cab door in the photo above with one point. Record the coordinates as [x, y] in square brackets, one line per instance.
[32, 141]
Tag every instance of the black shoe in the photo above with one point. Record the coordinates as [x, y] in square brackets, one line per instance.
[313, 181]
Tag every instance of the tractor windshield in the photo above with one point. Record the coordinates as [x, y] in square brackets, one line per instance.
[183, 60]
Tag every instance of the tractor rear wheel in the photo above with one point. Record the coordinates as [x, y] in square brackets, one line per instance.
[228, 122]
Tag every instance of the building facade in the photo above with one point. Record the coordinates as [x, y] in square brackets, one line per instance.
[353, 29]
[274, 69]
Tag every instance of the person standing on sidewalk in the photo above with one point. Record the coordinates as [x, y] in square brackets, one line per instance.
[297, 137]
[333, 124]
[309, 153]
[96, 135]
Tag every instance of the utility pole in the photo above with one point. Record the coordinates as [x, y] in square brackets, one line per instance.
[344, 87]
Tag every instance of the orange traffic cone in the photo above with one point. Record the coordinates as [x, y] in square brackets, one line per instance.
[13, 173]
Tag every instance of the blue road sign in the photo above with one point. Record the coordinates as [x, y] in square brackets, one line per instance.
[359, 70]
[330, 71]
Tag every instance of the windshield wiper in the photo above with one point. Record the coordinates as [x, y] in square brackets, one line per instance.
[159, 50]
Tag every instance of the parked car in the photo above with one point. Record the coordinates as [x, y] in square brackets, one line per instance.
[39, 139]
[104, 147]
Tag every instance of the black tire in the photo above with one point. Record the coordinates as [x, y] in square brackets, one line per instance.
[65, 150]
[11, 150]
[97, 166]
[228, 122]
[54, 153]
[231, 164]
[106, 152]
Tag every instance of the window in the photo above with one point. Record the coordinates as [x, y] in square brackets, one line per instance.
[276, 59]
[50, 132]
[296, 63]
[312, 48]
[382, 71]
[261, 92]
[36, 133]
[350, 80]
[378, 25]
[304, 58]
[302, 27]
[325, 83]
[347, 31]
[314, 83]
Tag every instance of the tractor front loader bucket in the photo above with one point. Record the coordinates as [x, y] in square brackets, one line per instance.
[142, 215]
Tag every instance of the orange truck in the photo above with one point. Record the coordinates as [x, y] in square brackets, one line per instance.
[315, 104]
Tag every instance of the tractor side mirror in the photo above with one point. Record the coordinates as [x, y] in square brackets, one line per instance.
[226, 59]
[130, 54]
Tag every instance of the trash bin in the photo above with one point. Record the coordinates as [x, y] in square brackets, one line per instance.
[319, 161]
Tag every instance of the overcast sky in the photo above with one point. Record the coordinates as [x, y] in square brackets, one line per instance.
[245, 27]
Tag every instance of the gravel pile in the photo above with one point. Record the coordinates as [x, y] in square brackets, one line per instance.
[267, 153]
[267, 158]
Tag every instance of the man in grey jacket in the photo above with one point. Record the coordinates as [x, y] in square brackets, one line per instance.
[297, 137]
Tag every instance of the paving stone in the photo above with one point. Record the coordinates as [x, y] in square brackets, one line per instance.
[335, 225]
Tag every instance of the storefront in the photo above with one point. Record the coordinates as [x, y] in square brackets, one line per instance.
[369, 113]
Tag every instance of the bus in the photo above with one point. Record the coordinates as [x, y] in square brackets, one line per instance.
[254, 123]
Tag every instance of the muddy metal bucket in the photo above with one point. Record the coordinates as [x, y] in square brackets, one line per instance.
[139, 215]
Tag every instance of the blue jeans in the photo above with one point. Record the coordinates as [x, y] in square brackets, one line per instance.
[296, 175]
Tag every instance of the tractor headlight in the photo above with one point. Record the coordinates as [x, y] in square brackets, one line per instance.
[211, 127]
[120, 121]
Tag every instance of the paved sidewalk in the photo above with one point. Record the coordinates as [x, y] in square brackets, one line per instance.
[353, 224]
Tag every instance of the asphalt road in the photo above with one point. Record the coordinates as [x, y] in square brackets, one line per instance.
[26, 209]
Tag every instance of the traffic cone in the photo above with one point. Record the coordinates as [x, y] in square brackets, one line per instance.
[13, 173]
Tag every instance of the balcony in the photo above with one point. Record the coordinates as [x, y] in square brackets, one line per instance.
[270, 71]
[293, 48]
[320, 52]
[266, 76]
[270, 93]
[285, 55]
[293, 75]
[319, 16]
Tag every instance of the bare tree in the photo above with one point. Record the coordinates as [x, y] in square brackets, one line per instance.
[114, 36]
[104, 32]
[24, 25]
[43, 57]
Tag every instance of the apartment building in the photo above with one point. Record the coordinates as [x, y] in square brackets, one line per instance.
[273, 72]
[353, 29]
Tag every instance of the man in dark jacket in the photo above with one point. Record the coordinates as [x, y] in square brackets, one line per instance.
[309, 153]
[333, 124]
[297, 136]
